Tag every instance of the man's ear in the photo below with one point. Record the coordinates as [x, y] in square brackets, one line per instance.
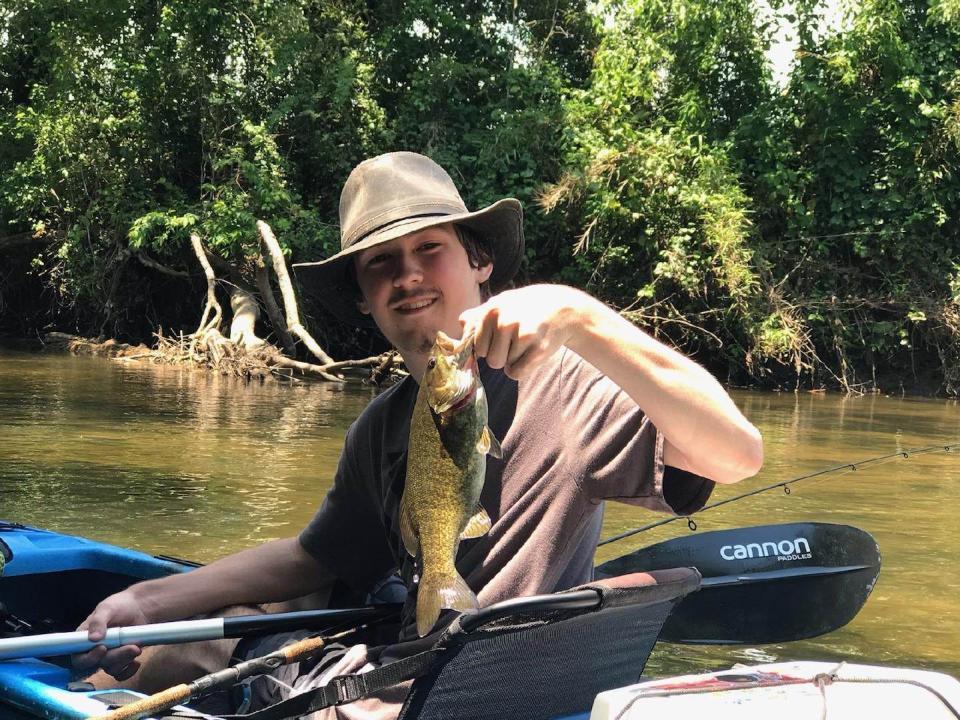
[362, 306]
[484, 272]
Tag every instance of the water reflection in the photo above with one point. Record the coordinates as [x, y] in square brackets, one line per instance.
[197, 465]
[160, 457]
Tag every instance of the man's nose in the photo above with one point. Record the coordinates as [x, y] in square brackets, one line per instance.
[408, 271]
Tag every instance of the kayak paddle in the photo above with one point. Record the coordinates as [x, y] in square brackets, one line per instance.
[168, 633]
[763, 584]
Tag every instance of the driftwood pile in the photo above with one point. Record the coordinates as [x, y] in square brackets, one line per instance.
[242, 353]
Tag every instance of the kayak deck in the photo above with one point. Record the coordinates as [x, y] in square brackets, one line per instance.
[50, 583]
[788, 691]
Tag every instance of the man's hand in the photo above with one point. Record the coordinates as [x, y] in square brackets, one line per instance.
[273, 572]
[703, 430]
[518, 329]
[121, 609]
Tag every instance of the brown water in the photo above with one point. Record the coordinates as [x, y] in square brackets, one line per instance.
[182, 463]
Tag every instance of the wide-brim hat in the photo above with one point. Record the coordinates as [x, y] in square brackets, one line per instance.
[396, 194]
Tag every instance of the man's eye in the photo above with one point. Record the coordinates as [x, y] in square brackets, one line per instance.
[429, 245]
[377, 260]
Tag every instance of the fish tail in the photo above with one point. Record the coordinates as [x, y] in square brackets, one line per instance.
[439, 591]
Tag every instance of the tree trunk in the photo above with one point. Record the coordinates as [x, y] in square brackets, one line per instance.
[245, 315]
[273, 310]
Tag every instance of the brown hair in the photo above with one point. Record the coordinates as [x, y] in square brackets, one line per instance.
[479, 253]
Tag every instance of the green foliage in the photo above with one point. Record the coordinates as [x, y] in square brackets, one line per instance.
[661, 221]
[856, 169]
[805, 233]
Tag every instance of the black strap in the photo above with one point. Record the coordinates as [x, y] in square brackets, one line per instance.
[346, 688]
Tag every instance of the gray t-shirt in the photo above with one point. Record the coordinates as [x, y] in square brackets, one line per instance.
[571, 438]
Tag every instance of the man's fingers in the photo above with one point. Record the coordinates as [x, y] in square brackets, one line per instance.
[503, 340]
[127, 672]
[96, 626]
[485, 333]
[525, 364]
[117, 661]
[89, 660]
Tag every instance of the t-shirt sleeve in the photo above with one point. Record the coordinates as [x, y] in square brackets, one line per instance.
[347, 535]
[618, 452]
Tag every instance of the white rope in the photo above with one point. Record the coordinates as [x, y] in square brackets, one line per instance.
[821, 681]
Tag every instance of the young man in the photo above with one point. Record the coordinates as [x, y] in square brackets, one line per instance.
[585, 405]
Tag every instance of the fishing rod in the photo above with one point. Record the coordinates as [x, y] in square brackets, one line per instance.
[785, 484]
[223, 679]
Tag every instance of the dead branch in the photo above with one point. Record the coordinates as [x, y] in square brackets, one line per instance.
[273, 310]
[246, 312]
[212, 304]
[380, 372]
[149, 262]
[286, 291]
[286, 362]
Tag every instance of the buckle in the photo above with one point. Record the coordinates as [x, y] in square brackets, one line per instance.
[349, 688]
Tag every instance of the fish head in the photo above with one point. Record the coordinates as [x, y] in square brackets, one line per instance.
[451, 375]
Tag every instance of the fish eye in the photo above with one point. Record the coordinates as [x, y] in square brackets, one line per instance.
[431, 363]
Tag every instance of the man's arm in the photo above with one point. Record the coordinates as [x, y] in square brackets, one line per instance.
[704, 431]
[275, 571]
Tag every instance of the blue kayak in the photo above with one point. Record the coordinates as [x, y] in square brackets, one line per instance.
[50, 583]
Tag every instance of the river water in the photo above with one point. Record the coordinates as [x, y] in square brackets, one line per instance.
[182, 463]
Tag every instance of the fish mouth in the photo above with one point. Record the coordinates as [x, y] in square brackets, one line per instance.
[462, 349]
[461, 356]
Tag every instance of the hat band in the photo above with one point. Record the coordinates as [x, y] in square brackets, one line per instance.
[398, 221]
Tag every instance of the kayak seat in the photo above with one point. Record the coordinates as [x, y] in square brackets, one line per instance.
[540, 657]
[530, 658]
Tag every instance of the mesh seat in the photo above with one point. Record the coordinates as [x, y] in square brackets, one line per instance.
[548, 656]
[529, 658]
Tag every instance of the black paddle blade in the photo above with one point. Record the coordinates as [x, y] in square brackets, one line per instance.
[764, 584]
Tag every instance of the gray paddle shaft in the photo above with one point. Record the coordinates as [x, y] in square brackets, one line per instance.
[75, 642]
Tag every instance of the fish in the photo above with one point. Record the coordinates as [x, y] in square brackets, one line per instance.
[446, 464]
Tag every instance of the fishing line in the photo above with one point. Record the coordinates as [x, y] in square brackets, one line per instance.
[785, 484]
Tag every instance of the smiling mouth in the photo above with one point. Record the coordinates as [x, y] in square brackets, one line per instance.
[414, 305]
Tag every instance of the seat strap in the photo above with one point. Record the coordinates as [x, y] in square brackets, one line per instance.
[346, 688]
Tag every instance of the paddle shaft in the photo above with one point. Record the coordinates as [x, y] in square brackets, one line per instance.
[183, 631]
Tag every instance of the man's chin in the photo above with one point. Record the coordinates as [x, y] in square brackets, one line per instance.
[418, 341]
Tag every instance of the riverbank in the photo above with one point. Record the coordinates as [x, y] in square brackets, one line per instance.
[57, 341]
[379, 370]
[927, 385]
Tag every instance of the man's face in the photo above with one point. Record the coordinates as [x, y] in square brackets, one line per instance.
[418, 284]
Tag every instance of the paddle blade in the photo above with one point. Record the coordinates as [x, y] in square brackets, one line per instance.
[763, 584]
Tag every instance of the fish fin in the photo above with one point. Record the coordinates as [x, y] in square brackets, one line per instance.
[437, 592]
[477, 526]
[410, 540]
[488, 443]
